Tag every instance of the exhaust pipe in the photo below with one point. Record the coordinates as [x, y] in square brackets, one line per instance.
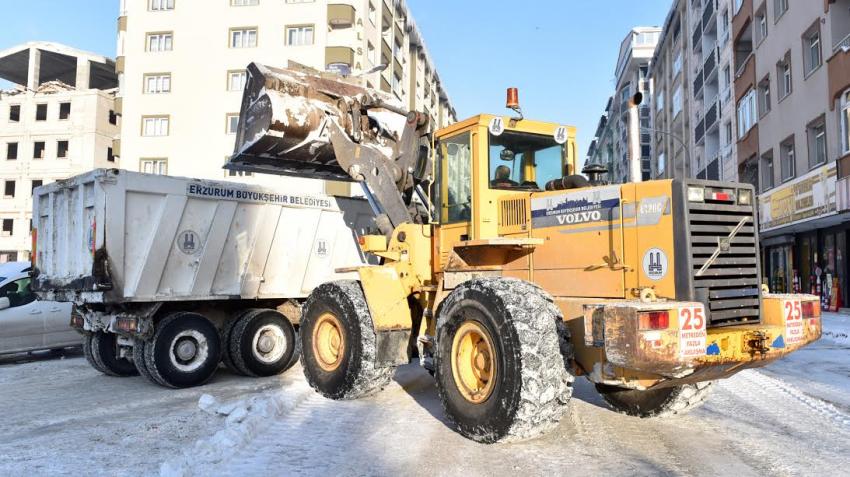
[633, 132]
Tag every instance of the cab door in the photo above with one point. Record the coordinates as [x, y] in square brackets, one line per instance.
[453, 192]
[21, 318]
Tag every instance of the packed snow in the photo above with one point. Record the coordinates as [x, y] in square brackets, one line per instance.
[62, 417]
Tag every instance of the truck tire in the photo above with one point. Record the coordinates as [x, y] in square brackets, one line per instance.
[87, 352]
[263, 343]
[501, 360]
[104, 350]
[662, 402]
[139, 360]
[226, 333]
[338, 343]
[184, 352]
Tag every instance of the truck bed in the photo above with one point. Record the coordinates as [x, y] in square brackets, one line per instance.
[113, 236]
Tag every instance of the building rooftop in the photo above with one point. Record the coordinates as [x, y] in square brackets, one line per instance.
[52, 62]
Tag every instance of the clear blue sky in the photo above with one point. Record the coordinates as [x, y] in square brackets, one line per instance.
[560, 53]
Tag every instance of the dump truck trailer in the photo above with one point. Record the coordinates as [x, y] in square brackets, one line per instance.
[510, 273]
[171, 275]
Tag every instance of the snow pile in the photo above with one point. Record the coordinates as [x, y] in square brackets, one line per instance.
[837, 328]
[245, 419]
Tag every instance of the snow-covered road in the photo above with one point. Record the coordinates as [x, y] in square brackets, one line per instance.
[61, 417]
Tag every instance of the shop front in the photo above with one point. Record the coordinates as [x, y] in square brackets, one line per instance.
[803, 237]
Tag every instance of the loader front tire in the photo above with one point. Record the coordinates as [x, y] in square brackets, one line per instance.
[501, 360]
[338, 343]
[104, 350]
[185, 350]
[662, 402]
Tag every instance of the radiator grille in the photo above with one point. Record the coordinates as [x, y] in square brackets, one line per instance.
[731, 283]
[513, 215]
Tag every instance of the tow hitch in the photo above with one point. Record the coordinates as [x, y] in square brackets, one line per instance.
[757, 343]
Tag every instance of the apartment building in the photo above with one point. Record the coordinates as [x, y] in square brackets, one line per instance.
[610, 146]
[57, 121]
[181, 65]
[692, 72]
[791, 86]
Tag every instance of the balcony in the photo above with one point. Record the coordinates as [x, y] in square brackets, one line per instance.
[341, 16]
[339, 55]
[699, 131]
[838, 68]
[745, 77]
[698, 82]
[697, 37]
[710, 64]
[708, 15]
[712, 114]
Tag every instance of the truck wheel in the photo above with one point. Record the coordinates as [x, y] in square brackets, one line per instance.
[88, 338]
[662, 402]
[338, 340]
[184, 352]
[263, 343]
[226, 333]
[104, 350]
[139, 360]
[501, 360]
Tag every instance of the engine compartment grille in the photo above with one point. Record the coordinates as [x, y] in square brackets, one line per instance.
[730, 285]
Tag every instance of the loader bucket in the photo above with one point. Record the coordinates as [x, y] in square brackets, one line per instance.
[284, 117]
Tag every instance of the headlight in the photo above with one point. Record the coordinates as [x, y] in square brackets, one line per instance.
[745, 197]
[696, 194]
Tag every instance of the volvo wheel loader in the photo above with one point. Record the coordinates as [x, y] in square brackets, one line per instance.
[507, 274]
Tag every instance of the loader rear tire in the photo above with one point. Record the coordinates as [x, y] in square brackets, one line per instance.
[184, 352]
[662, 402]
[139, 360]
[104, 350]
[263, 343]
[501, 360]
[88, 338]
[338, 343]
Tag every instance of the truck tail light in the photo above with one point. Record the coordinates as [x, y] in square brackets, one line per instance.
[811, 309]
[127, 325]
[654, 320]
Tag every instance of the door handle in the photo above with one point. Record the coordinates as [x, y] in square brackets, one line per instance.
[55, 309]
[35, 312]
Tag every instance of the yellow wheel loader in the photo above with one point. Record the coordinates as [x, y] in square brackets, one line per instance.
[506, 274]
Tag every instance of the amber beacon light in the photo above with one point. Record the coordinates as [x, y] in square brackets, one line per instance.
[513, 99]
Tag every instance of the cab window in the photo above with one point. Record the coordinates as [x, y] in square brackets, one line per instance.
[455, 183]
[524, 161]
[18, 292]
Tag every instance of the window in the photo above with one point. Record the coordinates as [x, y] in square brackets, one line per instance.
[110, 155]
[243, 37]
[64, 110]
[155, 125]
[738, 4]
[7, 228]
[244, 3]
[41, 112]
[787, 159]
[232, 123]
[397, 83]
[677, 101]
[816, 132]
[372, 54]
[299, 35]
[764, 96]
[373, 14]
[113, 117]
[455, 167]
[730, 138]
[12, 151]
[157, 42]
[761, 23]
[779, 9]
[300, 1]
[236, 80]
[8, 188]
[38, 149]
[811, 49]
[158, 83]
[35, 184]
[783, 72]
[845, 122]
[747, 113]
[18, 292]
[160, 5]
[767, 170]
[15, 113]
[659, 101]
[677, 64]
[154, 166]
[61, 149]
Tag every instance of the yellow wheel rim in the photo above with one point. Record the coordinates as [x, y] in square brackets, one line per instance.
[474, 362]
[328, 342]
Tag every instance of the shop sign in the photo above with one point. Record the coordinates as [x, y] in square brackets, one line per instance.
[804, 198]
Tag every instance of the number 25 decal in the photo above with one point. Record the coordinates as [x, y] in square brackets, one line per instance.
[793, 310]
[692, 318]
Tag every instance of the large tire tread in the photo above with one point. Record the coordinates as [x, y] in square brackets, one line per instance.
[88, 338]
[103, 354]
[680, 400]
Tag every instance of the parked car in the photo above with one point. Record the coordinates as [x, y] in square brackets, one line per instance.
[27, 323]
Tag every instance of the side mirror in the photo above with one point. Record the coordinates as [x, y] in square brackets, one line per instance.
[4, 303]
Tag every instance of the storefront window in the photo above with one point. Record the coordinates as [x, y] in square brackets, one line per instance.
[841, 266]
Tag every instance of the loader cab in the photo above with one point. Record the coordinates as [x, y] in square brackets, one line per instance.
[483, 160]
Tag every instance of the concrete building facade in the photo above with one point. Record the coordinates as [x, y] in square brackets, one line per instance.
[58, 121]
[694, 112]
[792, 80]
[181, 65]
[610, 146]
